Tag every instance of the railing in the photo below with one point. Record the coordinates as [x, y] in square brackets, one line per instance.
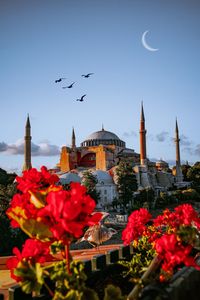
[184, 285]
[94, 260]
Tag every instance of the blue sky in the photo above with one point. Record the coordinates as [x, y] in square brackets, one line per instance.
[43, 40]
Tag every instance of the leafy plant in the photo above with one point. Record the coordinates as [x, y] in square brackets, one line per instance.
[171, 237]
[52, 217]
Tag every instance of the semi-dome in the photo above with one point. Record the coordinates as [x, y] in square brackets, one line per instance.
[103, 137]
[69, 177]
[103, 177]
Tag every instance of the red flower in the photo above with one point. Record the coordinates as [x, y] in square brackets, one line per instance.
[168, 219]
[173, 253]
[21, 207]
[183, 215]
[13, 262]
[37, 250]
[186, 214]
[68, 212]
[33, 250]
[32, 180]
[136, 225]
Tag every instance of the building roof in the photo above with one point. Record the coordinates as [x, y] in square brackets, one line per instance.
[103, 177]
[69, 177]
[102, 135]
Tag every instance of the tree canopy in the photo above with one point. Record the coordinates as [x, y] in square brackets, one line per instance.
[126, 182]
[193, 175]
[6, 178]
[89, 180]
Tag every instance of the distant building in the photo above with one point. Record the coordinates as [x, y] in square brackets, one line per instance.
[101, 152]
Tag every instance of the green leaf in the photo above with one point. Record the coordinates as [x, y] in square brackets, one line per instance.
[73, 295]
[32, 276]
[35, 229]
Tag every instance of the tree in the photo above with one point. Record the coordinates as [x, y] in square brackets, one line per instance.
[9, 237]
[6, 194]
[89, 181]
[6, 178]
[126, 183]
[7, 189]
[193, 175]
[185, 169]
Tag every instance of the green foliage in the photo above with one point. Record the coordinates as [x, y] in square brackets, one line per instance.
[190, 195]
[185, 169]
[70, 286]
[6, 178]
[9, 237]
[144, 198]
[164, 199]
[33, 276]
[190, 235]
[89, 181]
[193, 175]
[178, 195]
[141, 259]
[113, 292]
[56, 247]
[126, 182]
[187, 195]
[6, 194]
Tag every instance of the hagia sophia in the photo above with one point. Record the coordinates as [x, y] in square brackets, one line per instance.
[101, 152]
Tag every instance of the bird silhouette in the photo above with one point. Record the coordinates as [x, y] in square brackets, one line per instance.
[81, 99]
[69, 86]
[59, 80]
[97, 234]
[87, 75]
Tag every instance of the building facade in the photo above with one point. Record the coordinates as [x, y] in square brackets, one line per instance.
[101, 152]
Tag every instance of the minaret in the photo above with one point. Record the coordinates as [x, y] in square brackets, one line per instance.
[179, 175]
[73, 146]
[143, 157]
[27, 146]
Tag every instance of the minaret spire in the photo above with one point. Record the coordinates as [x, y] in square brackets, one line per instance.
[177, 140]
[142, 118]
[143, 158]
[27, 146]
[179, 175]
[73, 139]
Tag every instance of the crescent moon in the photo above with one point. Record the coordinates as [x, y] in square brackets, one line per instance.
[144, 43]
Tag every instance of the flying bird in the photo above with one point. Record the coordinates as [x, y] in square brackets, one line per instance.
[69, 86]
[97, 234]
[59, 80]
[81, 99]
[87, 75]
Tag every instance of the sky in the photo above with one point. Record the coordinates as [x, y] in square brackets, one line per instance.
[44, 40]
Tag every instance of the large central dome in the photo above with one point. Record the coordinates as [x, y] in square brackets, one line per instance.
[103, 137]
